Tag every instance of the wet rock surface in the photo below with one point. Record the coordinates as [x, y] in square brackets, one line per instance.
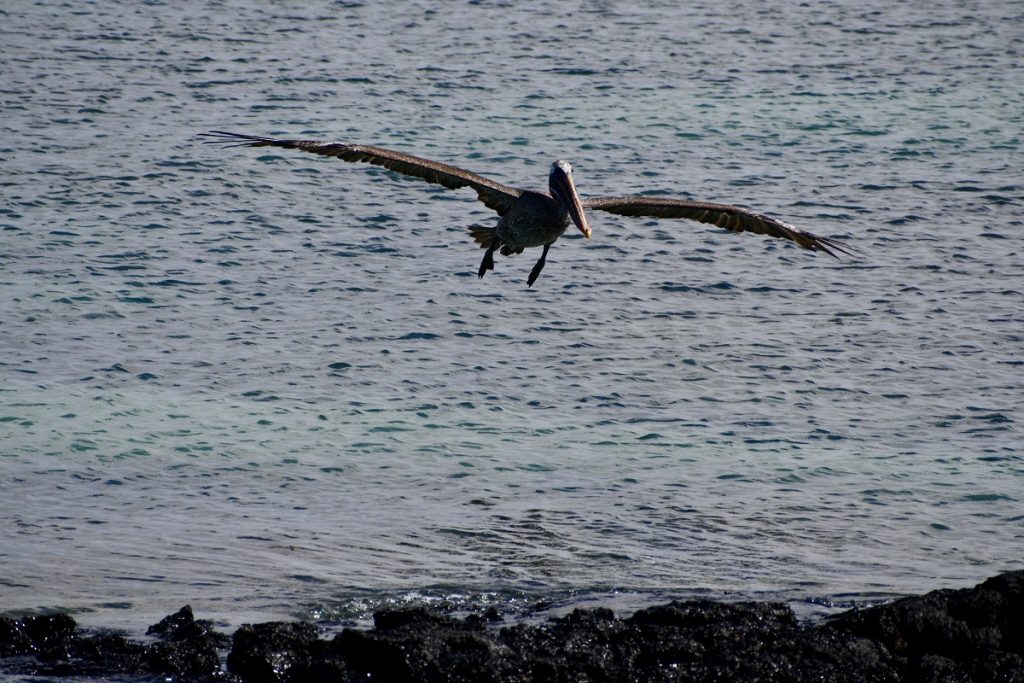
[53, 645]
[974, 634]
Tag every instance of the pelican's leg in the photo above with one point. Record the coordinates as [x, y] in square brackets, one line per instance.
[539, 266]
[488, 262]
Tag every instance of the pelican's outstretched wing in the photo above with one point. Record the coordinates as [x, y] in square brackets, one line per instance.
[723, 215]
[493, 194]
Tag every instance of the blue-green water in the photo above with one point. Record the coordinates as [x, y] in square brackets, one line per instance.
[270, 385]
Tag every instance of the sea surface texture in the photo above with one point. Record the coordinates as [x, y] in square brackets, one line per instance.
[270, 384]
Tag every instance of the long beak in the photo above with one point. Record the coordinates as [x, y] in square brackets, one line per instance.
[567, 188]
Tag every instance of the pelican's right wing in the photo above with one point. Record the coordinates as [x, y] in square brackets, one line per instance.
[723, 215]
[493, 194]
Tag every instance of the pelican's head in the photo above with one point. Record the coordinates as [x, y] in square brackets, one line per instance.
[564, 192]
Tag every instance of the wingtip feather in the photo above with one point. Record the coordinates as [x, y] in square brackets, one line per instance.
[226, 139]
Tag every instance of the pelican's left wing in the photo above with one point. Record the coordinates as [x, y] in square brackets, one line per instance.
[723, 215]
[493, 194]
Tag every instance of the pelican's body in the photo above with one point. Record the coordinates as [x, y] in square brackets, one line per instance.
[536, 219]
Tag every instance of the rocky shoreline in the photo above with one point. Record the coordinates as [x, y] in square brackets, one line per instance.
[974, 634]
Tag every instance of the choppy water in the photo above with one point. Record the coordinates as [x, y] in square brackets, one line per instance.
[271, 385]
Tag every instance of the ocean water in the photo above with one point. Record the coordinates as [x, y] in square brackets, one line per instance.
[271, 385]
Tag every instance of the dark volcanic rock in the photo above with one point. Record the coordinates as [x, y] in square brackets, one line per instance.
[950, 635]
[57, 648]
[266, 653]
[54, 646]
[33, 635]
[700, 641]
[974, 634]
[694, 641]
[188, 648]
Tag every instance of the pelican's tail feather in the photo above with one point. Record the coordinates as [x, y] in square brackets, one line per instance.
[484, 235]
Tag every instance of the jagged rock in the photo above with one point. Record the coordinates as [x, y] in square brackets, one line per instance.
[266, 653]
[32, 635]
[974, 634]
[188, 648]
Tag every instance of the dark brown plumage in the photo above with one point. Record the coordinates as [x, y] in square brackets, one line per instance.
[532, 219]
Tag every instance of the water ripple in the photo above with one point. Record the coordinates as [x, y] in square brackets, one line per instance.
[273, 383]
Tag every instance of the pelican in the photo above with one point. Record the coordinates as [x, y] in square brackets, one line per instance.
[537, 219]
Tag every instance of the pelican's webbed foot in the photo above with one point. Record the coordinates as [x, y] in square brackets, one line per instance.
[487, 263]
[538, 266]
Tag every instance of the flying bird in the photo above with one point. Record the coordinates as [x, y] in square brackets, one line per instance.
[536, 219]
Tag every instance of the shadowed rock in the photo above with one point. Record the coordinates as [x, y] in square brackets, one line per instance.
[52, 645]
[263, 653]
[187, 648]
[956, 635]
[948, 635]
